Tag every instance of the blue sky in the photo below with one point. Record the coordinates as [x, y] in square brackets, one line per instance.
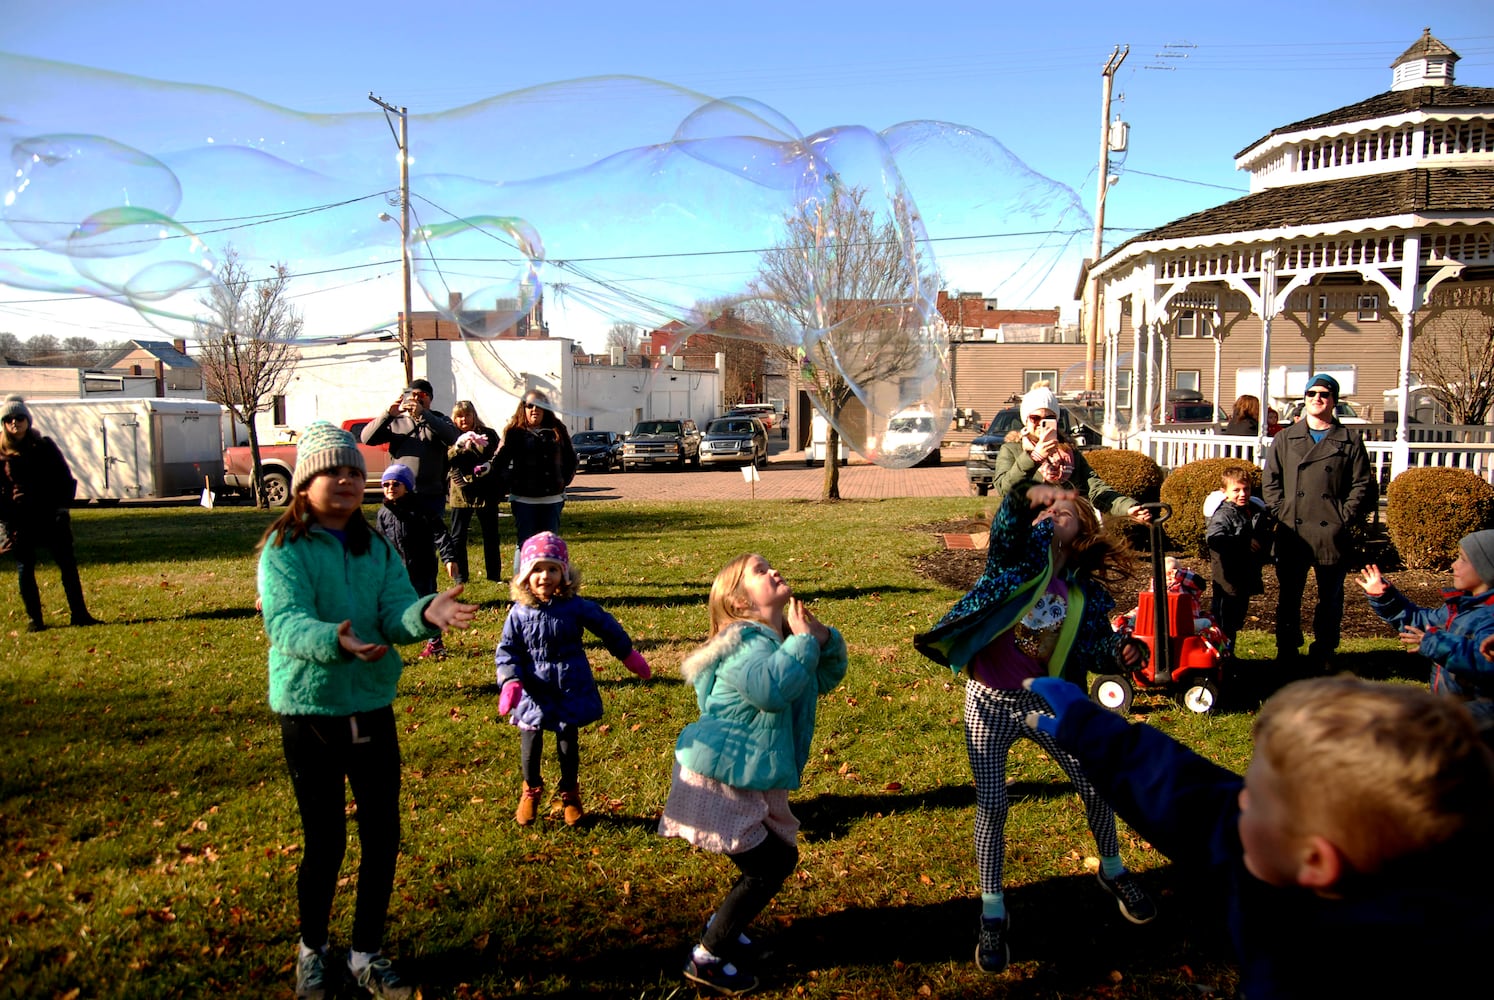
[1201, 82]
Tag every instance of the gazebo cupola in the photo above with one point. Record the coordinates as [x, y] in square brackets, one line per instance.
[1427, 63]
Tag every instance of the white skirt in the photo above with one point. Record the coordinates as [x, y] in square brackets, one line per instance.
[724, 819]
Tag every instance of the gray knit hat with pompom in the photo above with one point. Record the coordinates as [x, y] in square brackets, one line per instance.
[14, 406]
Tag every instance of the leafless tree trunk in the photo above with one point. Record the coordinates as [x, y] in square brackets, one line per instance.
[853, 288]
[245, 346]
[1456, 364]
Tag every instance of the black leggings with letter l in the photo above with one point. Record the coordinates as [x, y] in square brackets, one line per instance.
[323, 752]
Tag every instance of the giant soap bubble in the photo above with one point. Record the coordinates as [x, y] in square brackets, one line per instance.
[628, 198]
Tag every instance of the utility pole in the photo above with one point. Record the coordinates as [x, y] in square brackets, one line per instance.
[1092, 286]
[407, 322]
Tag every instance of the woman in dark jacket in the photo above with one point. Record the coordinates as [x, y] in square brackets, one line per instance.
[36, 488]
[537, 463]
[1245, 419]
[474, 487]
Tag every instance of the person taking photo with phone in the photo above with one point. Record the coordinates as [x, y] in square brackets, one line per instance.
[1040, 446]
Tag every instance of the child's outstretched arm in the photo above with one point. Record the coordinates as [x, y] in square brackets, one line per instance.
[596, 620]
[1392, 606]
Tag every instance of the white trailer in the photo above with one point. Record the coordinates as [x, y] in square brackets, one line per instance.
[132, 448]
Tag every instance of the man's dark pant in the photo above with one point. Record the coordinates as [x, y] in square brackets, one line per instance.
[1327, 616]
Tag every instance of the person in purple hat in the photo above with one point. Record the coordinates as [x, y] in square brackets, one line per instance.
[1318, 484]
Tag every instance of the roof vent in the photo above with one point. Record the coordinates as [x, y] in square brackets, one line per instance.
[1427, 63]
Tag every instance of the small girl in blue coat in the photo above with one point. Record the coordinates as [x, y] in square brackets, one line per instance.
[756, 681]
[1450, 636]
[543, 674]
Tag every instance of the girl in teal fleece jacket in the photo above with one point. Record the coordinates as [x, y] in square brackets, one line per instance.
[335, 597]
[756, 682]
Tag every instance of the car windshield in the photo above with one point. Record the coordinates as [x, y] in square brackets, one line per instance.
[658, 427]
[1193, 413]
[591, 437]
[730, 427]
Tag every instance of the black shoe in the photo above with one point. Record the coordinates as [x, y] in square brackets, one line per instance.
[36, 626]
[991, 950]
[85, 619]
[715, 976]
[1135, 905]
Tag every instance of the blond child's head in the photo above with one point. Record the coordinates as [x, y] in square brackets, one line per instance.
[747, 589]
[1350, 777]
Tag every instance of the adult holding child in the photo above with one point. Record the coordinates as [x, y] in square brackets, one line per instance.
[1318, 484]
[475, 488]
[1039, 440]
[538, 462]
[36, 488]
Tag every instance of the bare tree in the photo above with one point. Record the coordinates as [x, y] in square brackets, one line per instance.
[623, 337]
[849, 285]
[80, 352]
[11, 347]
[246, 346]
[43, 349]
[1456, 365]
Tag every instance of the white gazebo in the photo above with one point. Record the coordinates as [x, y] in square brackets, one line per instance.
[1394, 194]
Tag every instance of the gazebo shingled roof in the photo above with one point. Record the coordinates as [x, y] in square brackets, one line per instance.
[1392, 102]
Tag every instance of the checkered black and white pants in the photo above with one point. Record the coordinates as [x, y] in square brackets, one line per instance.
[993, 722]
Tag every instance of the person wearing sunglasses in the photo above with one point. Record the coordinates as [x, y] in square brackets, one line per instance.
[1319, 484]
[538, 462]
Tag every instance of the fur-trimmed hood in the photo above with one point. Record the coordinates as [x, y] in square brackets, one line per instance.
[720, 647]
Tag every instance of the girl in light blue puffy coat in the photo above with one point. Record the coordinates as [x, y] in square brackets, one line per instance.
[543, 673]
[756, 682]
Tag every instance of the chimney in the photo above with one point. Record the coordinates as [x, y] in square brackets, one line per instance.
[180, 345]
[454, 301]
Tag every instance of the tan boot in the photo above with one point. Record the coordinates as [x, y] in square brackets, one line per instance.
[528, 804]
[570, 803]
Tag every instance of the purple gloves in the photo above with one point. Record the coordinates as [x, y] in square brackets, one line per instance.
[635, 662]
[512, 691]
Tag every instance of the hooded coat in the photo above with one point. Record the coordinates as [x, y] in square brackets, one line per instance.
[541, 649]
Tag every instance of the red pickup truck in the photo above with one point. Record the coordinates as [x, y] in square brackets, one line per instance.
[278, 461]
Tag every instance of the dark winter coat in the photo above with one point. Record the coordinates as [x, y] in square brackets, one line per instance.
[419, 444]
[537, 463]
[414, 532]
[1453, 634]
[35, 482]
[466, 487]
[1236, 569]
[1019, 567]
[541, 649]
[1244, 427]
[1289, 942]
[1014, 465]
[1317, 492]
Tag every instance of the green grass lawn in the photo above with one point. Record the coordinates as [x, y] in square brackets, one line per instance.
[151, 840]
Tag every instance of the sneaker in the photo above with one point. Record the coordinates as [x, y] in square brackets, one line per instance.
[311, 975]
[991, 950]
[380, 980]
[1135, 905]
[528, 804]
[434, 649]
[719, 977]
[570, 804]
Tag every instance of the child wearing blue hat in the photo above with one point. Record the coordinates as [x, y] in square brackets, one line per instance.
[415, 532]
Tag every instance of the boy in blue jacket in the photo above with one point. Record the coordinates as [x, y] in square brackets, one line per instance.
[1449, 636]
[1349, 859]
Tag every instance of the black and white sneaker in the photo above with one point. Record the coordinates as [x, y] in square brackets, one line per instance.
[991, 950]
[1135, 905]
[719, 977]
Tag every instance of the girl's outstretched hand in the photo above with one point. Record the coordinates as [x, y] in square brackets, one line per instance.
[801, 621]
[447, 612]
[1371, 580]
[1047, 496]
[368, 652]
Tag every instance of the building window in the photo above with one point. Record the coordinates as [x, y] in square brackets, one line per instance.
[1032, 377]
[1185, 380]
[1123, 389]
[1369, 307]
[277, 406]
[1193, 323]
[1323, 308]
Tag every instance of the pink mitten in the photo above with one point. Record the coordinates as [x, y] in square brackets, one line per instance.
[510, 697]
[635, 662]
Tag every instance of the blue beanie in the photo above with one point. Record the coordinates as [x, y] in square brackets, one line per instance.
[400, 474]
[1326, 381]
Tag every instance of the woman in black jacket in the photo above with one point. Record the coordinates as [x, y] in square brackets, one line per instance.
[1245, 419]
[476, 487]
[537, 462]
[36, 487]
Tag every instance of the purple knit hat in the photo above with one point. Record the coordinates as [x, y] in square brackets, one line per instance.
[548, 547]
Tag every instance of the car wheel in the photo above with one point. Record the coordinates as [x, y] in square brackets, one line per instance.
[277, 488]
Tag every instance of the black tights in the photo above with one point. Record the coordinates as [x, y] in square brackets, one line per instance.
[567, 750]
[322, 751]
[764, 870]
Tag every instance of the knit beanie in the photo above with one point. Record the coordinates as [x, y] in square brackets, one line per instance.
[548, 547]
[1479, 548]
[14, 406]
[400, 474]
[1327, 382]
[1038, 399]
[323, 446]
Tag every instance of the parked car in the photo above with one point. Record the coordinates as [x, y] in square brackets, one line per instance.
[1188, 406]
[980, 465]
[598, 450]
[764, 412]
[1344, 411]
[908, 433]
[659, 442]
[278, 463]
[734, 440]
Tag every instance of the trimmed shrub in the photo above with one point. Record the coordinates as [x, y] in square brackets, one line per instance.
[1185, 490]
[1133, 474]
[1427, 511]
